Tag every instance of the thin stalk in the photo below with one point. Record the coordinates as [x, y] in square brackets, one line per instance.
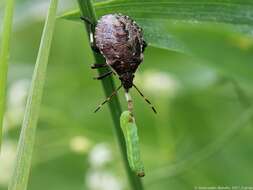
[22, 166]
[4, 57]
[87, 9]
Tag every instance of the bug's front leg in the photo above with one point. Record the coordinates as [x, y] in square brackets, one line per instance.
[92, 28]
[87, 20]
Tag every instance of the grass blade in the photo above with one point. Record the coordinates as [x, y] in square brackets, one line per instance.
[87, 9]
[26, 142]
[4, 56]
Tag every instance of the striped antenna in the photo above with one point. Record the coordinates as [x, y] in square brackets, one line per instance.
[108, 98]
[153, 108]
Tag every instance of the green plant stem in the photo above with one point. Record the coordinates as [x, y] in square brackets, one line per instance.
[87, 9]
[22, 166]
[4, 56]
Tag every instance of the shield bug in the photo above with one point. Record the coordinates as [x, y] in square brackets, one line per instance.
[120, 40]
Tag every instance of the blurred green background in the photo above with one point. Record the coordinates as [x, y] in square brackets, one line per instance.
[201, 136]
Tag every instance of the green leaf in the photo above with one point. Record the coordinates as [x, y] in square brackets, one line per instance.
[229, 53]
[157, 17]
[4, 57]
[20, 176]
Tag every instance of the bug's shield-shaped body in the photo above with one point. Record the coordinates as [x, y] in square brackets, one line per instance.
[120, 40]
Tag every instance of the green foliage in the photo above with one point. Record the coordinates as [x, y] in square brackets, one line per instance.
[232, 57]
[22, 166]
[158, 17]
[4, 58]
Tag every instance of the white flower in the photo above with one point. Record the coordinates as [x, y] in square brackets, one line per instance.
[98, 177]
[100, 155]
[101, 180]
[16, 101]
[17, 93]
[7, 158]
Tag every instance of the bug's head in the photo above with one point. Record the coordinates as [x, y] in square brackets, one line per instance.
[127, 80]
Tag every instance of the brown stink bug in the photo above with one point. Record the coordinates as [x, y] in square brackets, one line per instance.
[120, 40]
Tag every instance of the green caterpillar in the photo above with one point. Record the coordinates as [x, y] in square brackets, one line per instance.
[129, 129]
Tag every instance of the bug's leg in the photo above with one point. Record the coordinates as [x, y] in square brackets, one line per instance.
[144, 46]
[107, 99]
[153, 108]
[95, 66]
[88, 20]
[103, 75]
[91, 29]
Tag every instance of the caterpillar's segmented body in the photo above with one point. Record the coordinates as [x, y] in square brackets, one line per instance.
[132, 143]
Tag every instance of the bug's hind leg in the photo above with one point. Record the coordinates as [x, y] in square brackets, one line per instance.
[91, 29]
[108, 98]
[96, 66]
[144, 46]
[153, 108]
[103, 75]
